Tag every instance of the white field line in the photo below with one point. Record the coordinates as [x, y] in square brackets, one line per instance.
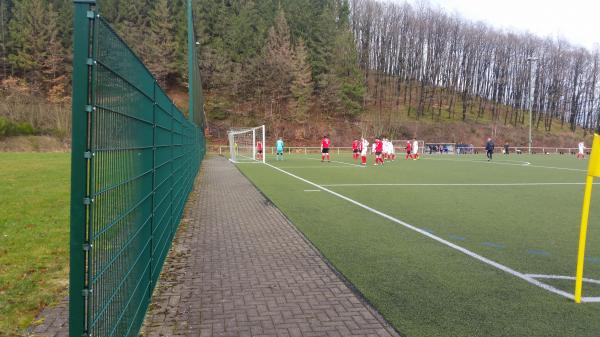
[457, 184]
[484, 161]
[317, 167]
[246, 162]
[312, 190]
[570, 278]
[465, 251]
[562, 277]
[339, 162]
[524, 163]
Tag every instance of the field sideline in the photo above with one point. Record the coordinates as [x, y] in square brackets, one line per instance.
[447, 245]
[34, 236]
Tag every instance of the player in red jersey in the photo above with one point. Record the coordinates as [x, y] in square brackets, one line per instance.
[325, 144]
[408, 150]
[355, 149]
[378, 151]
[259, 150]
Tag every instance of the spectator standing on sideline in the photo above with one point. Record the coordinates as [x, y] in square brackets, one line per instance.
[489, 148]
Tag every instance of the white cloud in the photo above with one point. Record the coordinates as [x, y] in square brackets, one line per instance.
[577, 21]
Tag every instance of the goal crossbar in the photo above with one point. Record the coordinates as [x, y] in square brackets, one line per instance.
[246, 145]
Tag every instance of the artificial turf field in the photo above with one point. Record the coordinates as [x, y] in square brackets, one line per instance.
[520, 214]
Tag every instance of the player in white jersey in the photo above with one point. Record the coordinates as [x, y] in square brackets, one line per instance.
[392, 151]
[581, 148]
[415, 149]
[385, 153]
[364, 147]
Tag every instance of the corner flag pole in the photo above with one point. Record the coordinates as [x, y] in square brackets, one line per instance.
[593, 171]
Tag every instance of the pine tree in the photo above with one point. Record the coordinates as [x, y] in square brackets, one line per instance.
[321, 43]
[277, 58]
[179, 10]
[53, 65]
[33, 25]
[161, 42]
[132, 25]
[302, 85]
[345, 67]
[4, 66]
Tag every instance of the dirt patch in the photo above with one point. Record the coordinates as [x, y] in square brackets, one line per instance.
[34, 144]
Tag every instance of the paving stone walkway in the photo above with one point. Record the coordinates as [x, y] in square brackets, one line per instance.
[52, 322]
[239, 268]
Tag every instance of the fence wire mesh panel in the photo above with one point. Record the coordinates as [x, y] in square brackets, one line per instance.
[134, 159]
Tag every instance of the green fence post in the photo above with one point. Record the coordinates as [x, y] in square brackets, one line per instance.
[191, 63]
[83, 18]
[153, 222]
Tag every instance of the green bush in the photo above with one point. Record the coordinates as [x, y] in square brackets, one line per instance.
[10, 128]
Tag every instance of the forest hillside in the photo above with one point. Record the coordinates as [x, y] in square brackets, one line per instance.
[309, 67]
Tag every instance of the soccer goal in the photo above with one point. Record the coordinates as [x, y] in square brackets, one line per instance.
[247, 145]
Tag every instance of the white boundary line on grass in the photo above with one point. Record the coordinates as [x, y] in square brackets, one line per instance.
[457, 184]
[339, 162]
[562, 277]
[525, 163]
[317, 167]
[465, 251]
[484, 161]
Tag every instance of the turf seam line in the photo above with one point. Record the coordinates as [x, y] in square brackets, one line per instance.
[474, 255]
[457, 184]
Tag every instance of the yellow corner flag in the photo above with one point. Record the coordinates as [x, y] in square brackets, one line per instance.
[593, 171]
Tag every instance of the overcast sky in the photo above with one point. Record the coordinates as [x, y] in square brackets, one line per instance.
[577, 21]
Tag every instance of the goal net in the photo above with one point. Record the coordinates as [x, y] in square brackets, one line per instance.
[247, 145]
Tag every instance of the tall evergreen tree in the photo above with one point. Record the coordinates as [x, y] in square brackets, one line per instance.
[33, 24]
[132, 24]
[53, 64]
[345, 67]
[302, 85]
[4, 66]
[161, 42]
[277, 56]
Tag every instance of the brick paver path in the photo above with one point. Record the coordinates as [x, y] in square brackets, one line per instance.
[52, 321]
[239, 268]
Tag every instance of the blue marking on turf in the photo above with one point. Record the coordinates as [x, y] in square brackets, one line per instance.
[538, 252]
[592, 259]
[428, 230]
[456, 237]
[493, 245]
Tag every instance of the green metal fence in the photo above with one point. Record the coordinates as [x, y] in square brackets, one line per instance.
[134, 160]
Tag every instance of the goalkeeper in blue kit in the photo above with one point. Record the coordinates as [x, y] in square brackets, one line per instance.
[279, 146]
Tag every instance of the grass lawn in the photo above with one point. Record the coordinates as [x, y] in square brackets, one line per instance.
[522, 212]
[34, 235]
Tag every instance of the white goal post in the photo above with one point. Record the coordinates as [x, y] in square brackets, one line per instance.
[247, 145]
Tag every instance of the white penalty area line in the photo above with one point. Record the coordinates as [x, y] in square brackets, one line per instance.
[505, 162]
[484, 161]
[451, 184]
[465, 251]
[339, 162]
[317, 167]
